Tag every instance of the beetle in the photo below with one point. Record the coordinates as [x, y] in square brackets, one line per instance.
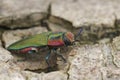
[52, 40]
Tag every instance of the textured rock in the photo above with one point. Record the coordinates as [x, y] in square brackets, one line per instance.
[57, 75]
[8, 72]
[59, 24]
[116, 43]
[86, 64]
[10, 8]
[22, 21]
[5, 55]
[105, 40]
[116, 51]
[87, 12]
[31, 76]
[22, 13]
[57, 28]
[94, 63]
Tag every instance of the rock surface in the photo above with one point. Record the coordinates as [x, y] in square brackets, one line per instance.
[10, 72]
[16, 7]
[5, 55]
[97, 62]
[23, 21]
[58, 75]
[87, 12]
[15, 13]
[116, 51]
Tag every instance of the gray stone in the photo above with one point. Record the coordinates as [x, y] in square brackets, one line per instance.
[87, 12]
[94, 62]
[32, 76]
[57, 75]
[86, 64]
[15, 13]
[116, 51]
[105, 40]
[16, 7]
[22, 21]
[5, 55]
[116, 42]
[59, 24]
[57, 28]
[8, 72]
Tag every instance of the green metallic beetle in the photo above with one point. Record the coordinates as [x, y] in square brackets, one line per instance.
[52, 40]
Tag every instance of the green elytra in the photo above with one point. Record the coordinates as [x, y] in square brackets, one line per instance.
[37, 40]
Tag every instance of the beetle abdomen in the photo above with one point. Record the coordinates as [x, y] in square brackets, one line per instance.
[26, 50]
[55, 43]
[29, 50]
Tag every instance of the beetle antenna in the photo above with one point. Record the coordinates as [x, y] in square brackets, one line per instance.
[76, 36]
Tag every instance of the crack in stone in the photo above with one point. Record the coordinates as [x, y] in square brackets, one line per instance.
[2, 41]
[67, 71]
[44, 21]
[101, 75]
[113, 58]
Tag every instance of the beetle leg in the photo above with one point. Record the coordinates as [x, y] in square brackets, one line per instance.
[60, 56]
[47, 58]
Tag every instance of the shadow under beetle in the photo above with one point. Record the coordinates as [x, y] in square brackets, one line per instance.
[52, 40]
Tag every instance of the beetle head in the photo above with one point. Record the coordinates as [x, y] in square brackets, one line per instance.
[70, 38]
